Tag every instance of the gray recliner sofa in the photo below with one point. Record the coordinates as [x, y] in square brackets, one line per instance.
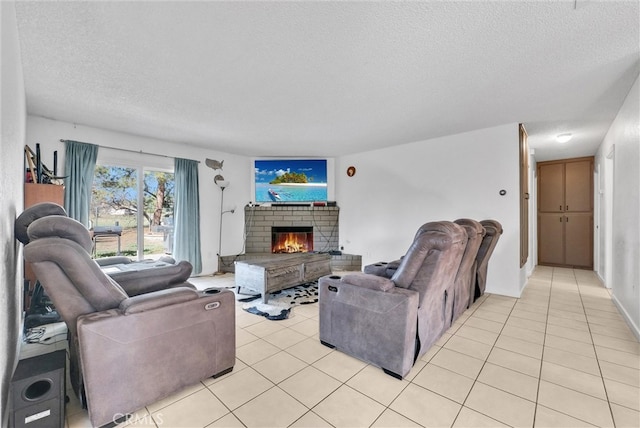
[465, 278]
[135, 278]
[128, 352]
[493, 230]
[391, 322]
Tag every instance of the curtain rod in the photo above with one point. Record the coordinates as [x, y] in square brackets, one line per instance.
[132, 151]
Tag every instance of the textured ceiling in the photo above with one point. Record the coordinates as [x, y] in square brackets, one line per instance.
[331, 78]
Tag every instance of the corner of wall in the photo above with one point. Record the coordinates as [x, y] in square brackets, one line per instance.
[627, 317]
[12, 132]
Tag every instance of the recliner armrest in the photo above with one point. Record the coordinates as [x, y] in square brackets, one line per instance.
[365, 280]
[140, 278]
[395, 264]
[113, 260]
[158, 299]
[383, 269]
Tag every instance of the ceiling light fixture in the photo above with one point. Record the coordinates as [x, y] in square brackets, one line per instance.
[563, 138]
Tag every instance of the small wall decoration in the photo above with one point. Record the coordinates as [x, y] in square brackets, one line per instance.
[351, 171]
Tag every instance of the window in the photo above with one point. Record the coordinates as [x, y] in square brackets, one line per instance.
[119, 226]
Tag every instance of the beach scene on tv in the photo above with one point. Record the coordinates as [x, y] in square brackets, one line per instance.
[291, 180]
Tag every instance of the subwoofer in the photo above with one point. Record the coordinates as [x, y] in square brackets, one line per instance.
[37, 395]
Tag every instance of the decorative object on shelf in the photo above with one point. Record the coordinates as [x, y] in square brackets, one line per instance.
[351, 171]
[36, 171]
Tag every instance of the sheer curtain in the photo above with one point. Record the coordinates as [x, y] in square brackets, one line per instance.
[79, 167]
[186, 245]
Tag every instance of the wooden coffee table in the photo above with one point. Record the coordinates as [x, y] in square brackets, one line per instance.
[276, 273]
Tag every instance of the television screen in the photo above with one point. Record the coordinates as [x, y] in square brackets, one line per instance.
[290, 180]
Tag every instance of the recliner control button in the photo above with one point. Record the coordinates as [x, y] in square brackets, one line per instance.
[212, 305]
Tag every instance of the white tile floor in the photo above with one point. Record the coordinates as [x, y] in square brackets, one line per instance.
[560, 356]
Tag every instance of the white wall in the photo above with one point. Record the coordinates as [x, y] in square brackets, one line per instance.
[12, 119]
[394, 191]
[397, 189]
[48, 133]
[623, 142]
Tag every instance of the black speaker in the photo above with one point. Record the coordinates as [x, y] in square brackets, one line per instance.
[37, 396]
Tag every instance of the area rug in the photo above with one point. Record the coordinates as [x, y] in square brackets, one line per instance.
[280, 303]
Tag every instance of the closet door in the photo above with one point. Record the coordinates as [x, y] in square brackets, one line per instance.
[579, 213]
[550, 239]
[551, 187]
[565, 213]
[578, 186]
[578, 240]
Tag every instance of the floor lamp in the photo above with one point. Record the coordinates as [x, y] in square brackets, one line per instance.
[222, 184]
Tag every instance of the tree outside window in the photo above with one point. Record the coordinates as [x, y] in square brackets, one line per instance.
[115, 202]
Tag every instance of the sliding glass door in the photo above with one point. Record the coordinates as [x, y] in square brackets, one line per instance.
[132, 211]
[158, 212]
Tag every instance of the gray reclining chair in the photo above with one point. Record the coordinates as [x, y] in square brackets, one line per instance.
[392, 322]
[465, 278]
[134, 277]
[493, 231]
[145, 276]
[388, 269]
[128, 352]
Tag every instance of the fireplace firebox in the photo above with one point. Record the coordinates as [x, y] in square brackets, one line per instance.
[291, 239]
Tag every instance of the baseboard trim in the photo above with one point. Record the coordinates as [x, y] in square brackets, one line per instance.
[634, 328]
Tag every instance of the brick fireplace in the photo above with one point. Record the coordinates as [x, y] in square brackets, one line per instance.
[319, 223]
[259, 221]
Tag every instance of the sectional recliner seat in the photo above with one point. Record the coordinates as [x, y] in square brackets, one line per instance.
[466, 276]
[491, 231]
[125, 351]
[135, 277]
[392, 322]
[393, 312]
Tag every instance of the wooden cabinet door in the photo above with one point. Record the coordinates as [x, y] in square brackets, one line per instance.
[578, 240]
[551, 187]
[550, 239]
[578, 186]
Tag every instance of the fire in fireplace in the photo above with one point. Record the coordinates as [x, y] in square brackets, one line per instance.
[291, 239]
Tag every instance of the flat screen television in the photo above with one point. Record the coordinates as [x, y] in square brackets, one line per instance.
[290, 180]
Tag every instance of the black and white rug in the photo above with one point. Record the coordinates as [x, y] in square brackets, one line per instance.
[280, 303]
